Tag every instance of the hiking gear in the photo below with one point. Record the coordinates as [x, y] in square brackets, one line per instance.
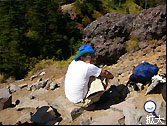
[83, 50]
[143, 73]
[155, 81]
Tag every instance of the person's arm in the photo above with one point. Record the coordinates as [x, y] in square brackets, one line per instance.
[107, 74]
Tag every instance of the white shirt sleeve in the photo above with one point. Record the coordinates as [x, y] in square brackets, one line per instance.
[94, 70]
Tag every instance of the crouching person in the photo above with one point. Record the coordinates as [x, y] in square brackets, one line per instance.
[85, 82]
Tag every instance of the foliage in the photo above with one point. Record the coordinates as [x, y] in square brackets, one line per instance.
[145, 4]
[48, 62]
[2, 78]
[33, 30]
[151, 42]
[90, 10]
[131, 45]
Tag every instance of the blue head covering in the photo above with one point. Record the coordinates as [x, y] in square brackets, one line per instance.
[83, 50]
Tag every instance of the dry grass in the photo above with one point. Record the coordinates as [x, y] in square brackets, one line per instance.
[131, 45]
[2, 78]
[47, 63]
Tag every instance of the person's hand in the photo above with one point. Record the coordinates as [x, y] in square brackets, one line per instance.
[107, 74]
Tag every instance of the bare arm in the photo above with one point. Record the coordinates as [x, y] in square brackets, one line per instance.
[107, 74]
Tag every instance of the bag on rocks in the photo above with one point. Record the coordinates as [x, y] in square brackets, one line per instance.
[143, 73]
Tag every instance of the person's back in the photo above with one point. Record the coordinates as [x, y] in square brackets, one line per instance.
[77, 77]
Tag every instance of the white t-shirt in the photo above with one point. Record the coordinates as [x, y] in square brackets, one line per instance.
[77, 78]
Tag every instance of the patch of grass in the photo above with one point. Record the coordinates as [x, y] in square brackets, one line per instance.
[48, 62]
[131, 45]
[128, 7]
[2, 78]
[132, 7]
[151, 42]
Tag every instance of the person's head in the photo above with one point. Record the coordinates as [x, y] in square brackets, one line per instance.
[86, 54]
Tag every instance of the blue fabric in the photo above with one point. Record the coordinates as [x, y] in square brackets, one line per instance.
[83, 50]
[144, 72]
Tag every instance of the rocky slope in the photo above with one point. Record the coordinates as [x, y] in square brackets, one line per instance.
[30, 100]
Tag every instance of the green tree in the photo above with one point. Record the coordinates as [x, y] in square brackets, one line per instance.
[11, 35]
[32, 30]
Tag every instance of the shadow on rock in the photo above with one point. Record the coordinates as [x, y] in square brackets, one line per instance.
[114, 95]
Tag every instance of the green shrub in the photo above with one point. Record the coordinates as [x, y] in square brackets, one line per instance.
[151, 42]
[131, 45]
[48, 62]
[42, 64]
[2, 78]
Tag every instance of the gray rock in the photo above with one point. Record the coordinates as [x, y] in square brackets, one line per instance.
[19, 80]
[142, 44]
[43, 115]
[24, 118]
[132, 99]
[150, 24]
[111, 118]
[160, 107]
[23, 85]
[67, 108]
[106, 39]
[38, 85]
[5, 98]
[140, 86]
[86, 121]
[23, 99]
[40, 79]
[133, 116]
[13, 88]
[122, 105]
[32, 77]
[53, 85]
[114, 81]
[38, 92]
[34, 104]
[42, 73]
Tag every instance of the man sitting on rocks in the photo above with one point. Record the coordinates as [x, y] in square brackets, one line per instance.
[85, 82]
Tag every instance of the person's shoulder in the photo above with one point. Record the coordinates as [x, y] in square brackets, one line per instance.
[92, 65]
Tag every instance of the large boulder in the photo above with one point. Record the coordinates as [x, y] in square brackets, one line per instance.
[43, 115]
[5, 98]
[150, 24]
[110, 118]
[13, 88]
[67, 108]
[108, 34]
[34, 104]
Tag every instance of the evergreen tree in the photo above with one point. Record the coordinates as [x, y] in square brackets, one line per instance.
[34, 29]
[11, 35]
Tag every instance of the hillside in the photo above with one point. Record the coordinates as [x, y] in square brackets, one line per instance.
[122, 41]
[121, 72]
